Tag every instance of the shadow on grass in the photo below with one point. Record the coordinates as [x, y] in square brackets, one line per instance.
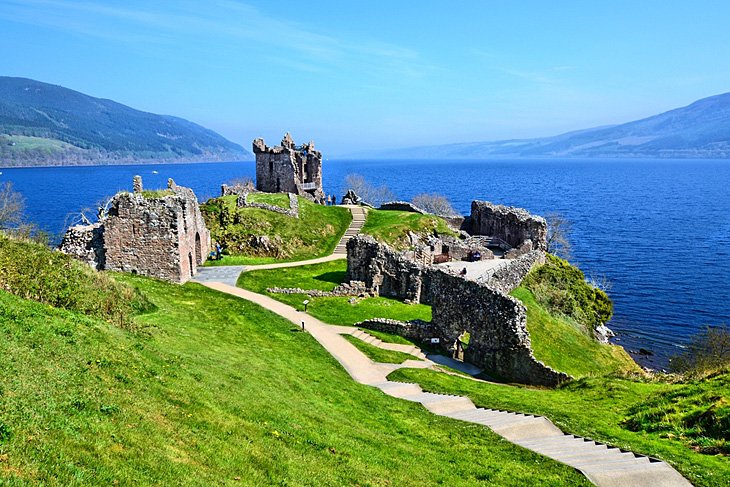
[334, 277]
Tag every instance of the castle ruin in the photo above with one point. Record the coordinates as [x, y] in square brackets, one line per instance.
[288, 168]
[158, 234]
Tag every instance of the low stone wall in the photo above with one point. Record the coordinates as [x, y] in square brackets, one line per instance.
[85, 243]
[513, 225]
[402, 206]
[353, 288]
[506, 278]
[293, 210]
[416, 330]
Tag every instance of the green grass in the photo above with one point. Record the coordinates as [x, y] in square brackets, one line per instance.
[24, 143]
[314, 234]
[156, 194]
[392, 227]
[593, 407]
[276, 199]
[388, 337]
[213, 390]
[379, 355]
[332, 310]
[565, 346]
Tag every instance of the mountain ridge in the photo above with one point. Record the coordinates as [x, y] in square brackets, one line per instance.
[46, 124]
[698, 130]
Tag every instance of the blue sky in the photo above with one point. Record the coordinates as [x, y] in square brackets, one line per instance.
[358, 74]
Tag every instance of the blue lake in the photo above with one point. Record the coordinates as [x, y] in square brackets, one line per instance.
[658, 231]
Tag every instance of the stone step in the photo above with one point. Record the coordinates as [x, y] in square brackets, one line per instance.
[627, 459]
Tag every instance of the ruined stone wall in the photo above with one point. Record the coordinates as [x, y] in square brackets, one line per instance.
[293, 211]
[385, 271]
[497, 325]
[286, 168]
[163, 236]
[85, 243]
[402, 206]
[507, 277]
[513, 225]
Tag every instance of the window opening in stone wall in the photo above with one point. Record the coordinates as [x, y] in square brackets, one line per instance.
[190, 260]
[198, 250]
[278, 185]
[271, 166]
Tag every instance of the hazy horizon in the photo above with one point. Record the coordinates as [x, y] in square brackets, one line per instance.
[354, 77]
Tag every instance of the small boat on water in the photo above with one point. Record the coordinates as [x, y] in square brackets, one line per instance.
[155, 172]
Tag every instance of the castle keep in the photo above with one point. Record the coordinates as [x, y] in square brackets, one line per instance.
[157, 234]
[288, 168]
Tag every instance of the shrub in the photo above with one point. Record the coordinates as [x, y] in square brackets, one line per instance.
[707, 352]
[371, 194]
[562, 288]
[434, 203]
[33, 271]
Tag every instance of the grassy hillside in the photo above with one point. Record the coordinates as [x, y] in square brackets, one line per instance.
[332, 310]
[32, 271]
[392, 227]
[314, 234]
[610, 410]
[565, 345]
[99, 130]
[213, 390]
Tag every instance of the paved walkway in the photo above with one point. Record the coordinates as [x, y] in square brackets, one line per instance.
[601, 464]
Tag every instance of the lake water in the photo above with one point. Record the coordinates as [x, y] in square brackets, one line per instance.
[658, 231]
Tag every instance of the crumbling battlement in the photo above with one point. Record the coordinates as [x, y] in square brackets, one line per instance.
[496, 322]
[513, 225]
[161, 236]
[289, 168]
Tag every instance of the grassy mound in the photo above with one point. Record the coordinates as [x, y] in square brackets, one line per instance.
[314, 234]
[567, 346]
[596, 408]
[392, 227]
[33, 271]
[218, 391]
[698, 414]
[562, 289]
[332, 310]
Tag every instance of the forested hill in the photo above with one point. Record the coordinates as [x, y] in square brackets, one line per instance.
[44, 124]
[699, 130]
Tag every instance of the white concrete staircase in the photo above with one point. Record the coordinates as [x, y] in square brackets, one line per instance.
[359, 215]
[601, 464]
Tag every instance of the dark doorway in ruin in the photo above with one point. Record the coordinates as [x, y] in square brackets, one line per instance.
[278, 185]
[198, 250]
[460, 345]
[190, 259]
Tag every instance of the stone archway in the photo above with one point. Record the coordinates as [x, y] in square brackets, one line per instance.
[198, 250]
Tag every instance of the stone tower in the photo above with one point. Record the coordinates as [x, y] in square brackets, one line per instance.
[289, 168]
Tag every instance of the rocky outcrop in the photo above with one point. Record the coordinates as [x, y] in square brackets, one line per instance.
[513, 225]
[402, 206]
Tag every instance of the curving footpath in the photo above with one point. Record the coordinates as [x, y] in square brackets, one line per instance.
[602, 465]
